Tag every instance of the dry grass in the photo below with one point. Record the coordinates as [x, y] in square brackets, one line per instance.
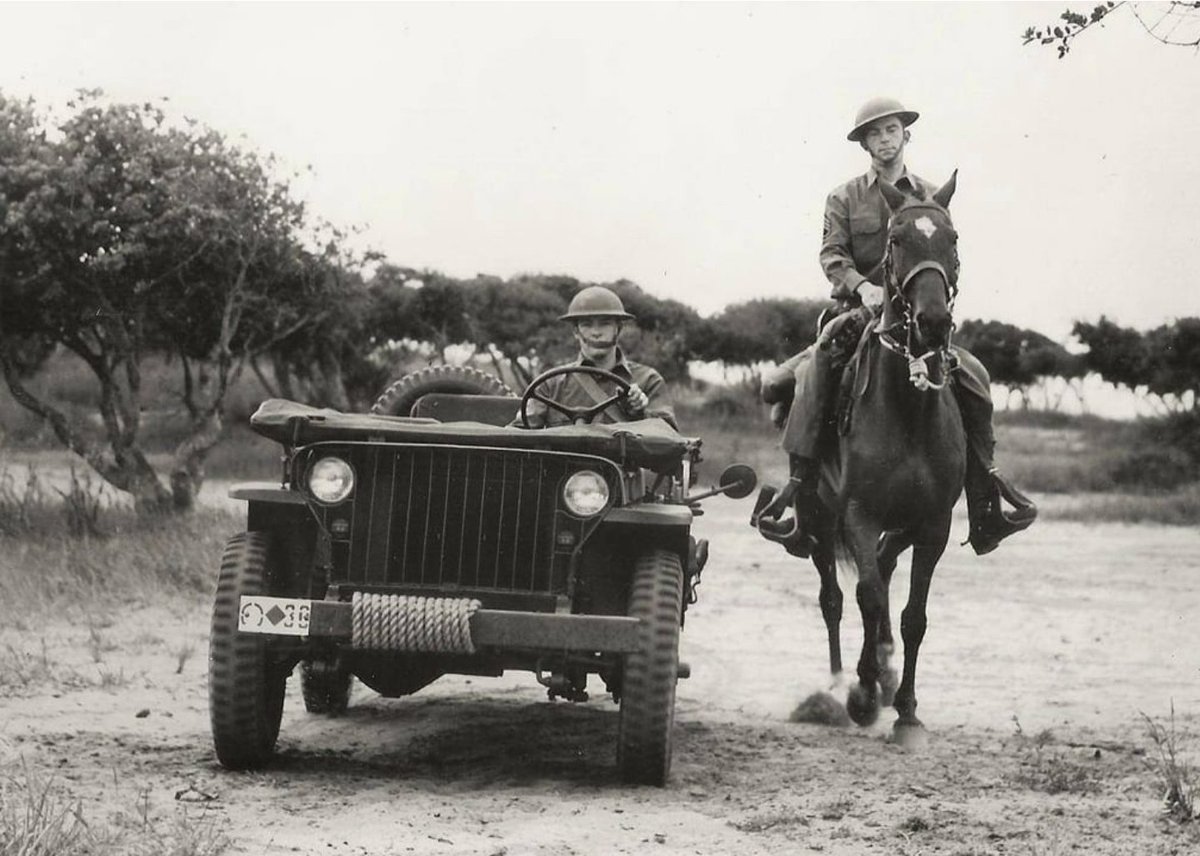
[1170, 508]
[1044, 767]
[39, 816]
[1178, 779]
[140, 562]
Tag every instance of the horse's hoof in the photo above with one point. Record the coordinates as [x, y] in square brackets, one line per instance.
[862, 705]
[821, 709]
[910, 736]
[889, 682]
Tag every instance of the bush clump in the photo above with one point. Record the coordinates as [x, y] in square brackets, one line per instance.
[1154, 468]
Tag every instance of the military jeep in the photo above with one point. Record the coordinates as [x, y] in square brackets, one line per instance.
[430, 537]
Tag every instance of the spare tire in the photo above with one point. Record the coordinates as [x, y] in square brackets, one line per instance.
[400, 396]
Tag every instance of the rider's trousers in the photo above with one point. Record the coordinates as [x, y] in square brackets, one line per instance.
[817, 371]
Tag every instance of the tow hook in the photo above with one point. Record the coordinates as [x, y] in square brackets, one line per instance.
[559, 685]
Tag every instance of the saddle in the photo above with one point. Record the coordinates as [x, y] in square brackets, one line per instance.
[855, 379]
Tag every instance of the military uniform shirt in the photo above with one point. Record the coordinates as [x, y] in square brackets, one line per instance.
[855, 232]
[566, 389]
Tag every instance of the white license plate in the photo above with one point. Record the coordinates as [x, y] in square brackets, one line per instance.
[282, 616]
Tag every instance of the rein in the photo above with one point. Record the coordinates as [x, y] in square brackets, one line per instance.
[918, 364]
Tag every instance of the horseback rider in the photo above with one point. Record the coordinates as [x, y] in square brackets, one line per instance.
[597, 316]
[852, 254]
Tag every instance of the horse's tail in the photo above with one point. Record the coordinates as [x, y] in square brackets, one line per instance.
[842, 557]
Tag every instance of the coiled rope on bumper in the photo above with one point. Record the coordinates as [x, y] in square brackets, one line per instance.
[395, 622]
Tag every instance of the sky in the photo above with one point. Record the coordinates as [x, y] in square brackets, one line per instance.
[687, 147]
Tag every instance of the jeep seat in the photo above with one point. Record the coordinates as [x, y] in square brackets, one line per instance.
[455, 407]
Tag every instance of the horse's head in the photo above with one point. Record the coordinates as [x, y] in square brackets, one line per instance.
[921, 265]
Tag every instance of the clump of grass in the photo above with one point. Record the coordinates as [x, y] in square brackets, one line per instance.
[1179, 781]
[1042, 769]
[82, 501]
[183, 652]
[769, 819]
[21, 669]
[109, 680]
[41, 817]
[38, 818]
[22, 502]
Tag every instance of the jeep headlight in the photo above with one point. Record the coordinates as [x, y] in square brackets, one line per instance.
[331, 480]
[585, 493]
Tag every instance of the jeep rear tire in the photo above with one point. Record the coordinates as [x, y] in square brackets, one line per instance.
[650, 674]
[325, 685]
[245, 686]
[398, 399]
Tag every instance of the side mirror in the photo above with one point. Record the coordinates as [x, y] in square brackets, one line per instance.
[738, 481]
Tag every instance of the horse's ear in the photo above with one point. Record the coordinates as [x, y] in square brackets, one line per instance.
[893, 196]
[943, 194]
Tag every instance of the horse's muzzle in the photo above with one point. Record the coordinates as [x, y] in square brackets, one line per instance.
[933, 329]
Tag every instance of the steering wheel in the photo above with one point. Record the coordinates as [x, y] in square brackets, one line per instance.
[575, 414]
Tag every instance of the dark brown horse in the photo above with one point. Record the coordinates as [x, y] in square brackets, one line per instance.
[900, 460]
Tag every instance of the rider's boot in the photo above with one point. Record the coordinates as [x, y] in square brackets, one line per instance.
[990, 522]
[796, 533]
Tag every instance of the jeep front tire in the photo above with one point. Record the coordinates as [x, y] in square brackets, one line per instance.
[245, 687]
[650, 674]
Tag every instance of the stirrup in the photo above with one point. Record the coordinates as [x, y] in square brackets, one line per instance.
[996, 524]
[785, 531]
[766, 495]
[793, 539]
[1010, 493]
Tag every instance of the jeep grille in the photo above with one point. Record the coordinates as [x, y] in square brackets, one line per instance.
[454, 517]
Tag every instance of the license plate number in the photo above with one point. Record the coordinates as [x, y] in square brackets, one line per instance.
[281, 616]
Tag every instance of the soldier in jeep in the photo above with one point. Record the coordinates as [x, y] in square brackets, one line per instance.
[597, 314]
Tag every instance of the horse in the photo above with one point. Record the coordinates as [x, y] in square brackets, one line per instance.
[898, 467]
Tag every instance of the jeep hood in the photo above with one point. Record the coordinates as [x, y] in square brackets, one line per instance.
[649, 443]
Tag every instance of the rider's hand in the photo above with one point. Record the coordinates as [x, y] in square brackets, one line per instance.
[635, 399]
[871, 294]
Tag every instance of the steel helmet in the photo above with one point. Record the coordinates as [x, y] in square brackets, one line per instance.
[877, 108]
[596, 301]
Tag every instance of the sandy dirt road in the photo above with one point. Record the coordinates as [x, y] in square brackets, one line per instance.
[1037, 665]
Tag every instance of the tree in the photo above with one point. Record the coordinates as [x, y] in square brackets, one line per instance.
[1173, 352]
[1019, 359]
[121, 235]
[1164, 362]
[760, 330]
[664, 335]
[1178, 24]
[1118, 354]
[517, 321]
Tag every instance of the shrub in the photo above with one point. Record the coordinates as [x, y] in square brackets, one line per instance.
[1154, 468]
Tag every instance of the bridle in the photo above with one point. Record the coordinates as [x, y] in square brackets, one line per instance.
[918, 365]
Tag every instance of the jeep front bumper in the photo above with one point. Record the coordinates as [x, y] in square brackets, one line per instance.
[492, 628]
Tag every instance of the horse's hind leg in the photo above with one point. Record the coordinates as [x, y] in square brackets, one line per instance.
[891, 545]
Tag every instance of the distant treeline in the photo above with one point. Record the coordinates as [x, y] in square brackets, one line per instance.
[124, 234]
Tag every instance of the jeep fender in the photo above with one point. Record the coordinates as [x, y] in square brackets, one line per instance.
[665, 525]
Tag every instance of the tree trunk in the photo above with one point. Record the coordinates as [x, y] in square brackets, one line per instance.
[187, 465]
[333, 386]
[121, 465]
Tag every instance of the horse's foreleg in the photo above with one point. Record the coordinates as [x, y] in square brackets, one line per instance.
[913, 621]
[891, 545]
[863, 702]
[830, 599]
